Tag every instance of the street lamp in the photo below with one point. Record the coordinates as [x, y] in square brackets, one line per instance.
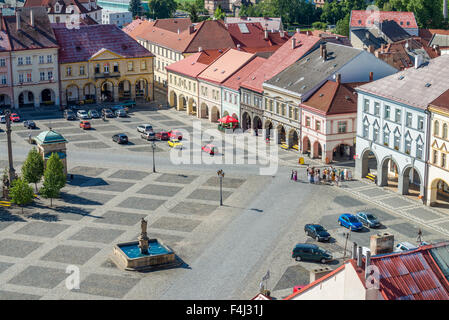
[153, 146]
[221, 174]
[11, 171]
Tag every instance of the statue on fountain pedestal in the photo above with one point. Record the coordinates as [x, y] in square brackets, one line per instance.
[143, 238]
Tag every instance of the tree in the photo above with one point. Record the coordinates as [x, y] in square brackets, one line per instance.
[219, 14]
[342, 27]
[33, 167]
[135, 7]
[161, 9]
[428, 13]
[20, 192]
[192, 9]
[54, 178]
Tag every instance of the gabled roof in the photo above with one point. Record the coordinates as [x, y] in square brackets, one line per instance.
[441, 40]
[4, 42]
[237, 78]
[195, 63]
[427, 34]
[413, 87]
[173, 24]
[334, 98]
[366, 18]
[38, 37]
[281, 59]
[266, 22]
[331, 37]
[308, 72]
[63, 3]
[225, 66]
[442, 102]
[81, 44]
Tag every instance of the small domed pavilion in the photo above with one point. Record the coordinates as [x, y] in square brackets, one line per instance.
[49, 142]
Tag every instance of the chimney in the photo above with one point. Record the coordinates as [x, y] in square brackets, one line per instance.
[298, 30]
[338, 78]
[437, 49]
[367, 263]
[371, 48]
[265, 34]
[200, 49]
[18, 20]
[31, 17]
[324, 54]
[359, 257]
[179, 31]
[354, 250]
[381, 243]
[382, 47]
[293, 43]
[418, 61]
[238, 46]
[191, 29]
[371, 76]
[316, 274]
[282, 33]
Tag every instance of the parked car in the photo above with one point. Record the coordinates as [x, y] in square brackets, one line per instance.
[94, 114]
[404, 246]
[148, 135]
[107, 113]
[311, 252]
[350, 221]
[121, 113]
[14, 117]
[176, 134]
[85, 124]
[2, 119]
[69, 115]
[368, 220]
[317, 232]
[119, 107]
[162, 135]
[210, 149]
[29, 124]
[120, 138]
[82, 114]
[175, 143]
[144, 127]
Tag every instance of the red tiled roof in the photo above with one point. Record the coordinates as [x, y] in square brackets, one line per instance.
[365, 18]
[442, 102]
[173, 24]
[333, 98]
[64, 4]
[234, 81]
[281, 59]
[195, 63]
[81, 44]
[4, 42]
[427, 34]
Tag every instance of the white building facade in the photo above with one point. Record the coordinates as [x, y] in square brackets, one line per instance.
[120, 19]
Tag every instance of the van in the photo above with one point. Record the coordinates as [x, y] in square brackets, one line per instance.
[311, 252]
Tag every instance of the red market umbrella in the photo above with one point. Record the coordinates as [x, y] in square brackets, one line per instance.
[228, 119]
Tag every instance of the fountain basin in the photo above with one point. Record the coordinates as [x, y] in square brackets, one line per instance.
[128, 256]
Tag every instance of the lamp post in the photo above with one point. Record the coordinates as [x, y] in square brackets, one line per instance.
[11, 171]
[153, 146]
[221, 174]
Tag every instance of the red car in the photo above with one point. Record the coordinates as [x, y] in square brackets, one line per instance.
[162, 135]
[14, 117]
[175, 134]
[85, 125]
[210, 149]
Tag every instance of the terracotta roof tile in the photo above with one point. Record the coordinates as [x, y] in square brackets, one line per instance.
[195, 63]
[365, 18]
[237, 78]
[173, 24]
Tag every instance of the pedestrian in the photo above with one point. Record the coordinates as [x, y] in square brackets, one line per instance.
[336, 181]
[291, 177]
[317, 177]
[295, 176]
[419, 238]
[349, 175]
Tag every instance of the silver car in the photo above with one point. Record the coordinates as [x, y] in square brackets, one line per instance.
[2, 119]
[144, 128]
[82, 114]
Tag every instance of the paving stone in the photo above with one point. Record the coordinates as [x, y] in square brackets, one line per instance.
[17, 248]
[354, 184]
[408, 230]
[136, 142]
[106, 285]
[120, 218]
[141, 203]
[97, 235]
[42, 229]
[9, 295]
[129, 175]
[396, 202]
[72, 212]
[67, 131]
[177, 224]
[86, 198]
[146, 149]
[40, 277]
[373, 192]
[109, 185]
[4, 266]
[173, 124]
[160, 190]
[424, 214]
[380, 214]
[91, 145]
[226, 183]
[70, 254]
[211, 195]
[194, 208]
[59, 124]
[176, 178]
[347, 201]
[108, 128]
[80, 137]
[87, 171]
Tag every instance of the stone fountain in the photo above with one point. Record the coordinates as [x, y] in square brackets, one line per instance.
[144, 254]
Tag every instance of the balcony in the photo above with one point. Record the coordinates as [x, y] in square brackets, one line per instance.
[105, 75]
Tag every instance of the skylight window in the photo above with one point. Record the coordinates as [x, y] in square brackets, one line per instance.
[401, 77]
[243, 28]
[428, 85]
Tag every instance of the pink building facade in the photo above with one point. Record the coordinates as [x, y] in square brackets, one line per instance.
[6, 92]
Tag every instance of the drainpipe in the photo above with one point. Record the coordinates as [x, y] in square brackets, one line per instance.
[426, 157]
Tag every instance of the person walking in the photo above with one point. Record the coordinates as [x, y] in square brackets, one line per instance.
[291, 176]
[295, 176]
[419, 238]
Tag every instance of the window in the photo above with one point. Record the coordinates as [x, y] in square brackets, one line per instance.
[397, 116]
[81, 70]
[386, 138]
[318, 125]
[366, 105]
[444, 131]
[130, 66]
[116, 67]
[21, 77]
[307, 121]
[49, 58]
[375, 133]
[28, 60]
[296, 114]
[143, 65]
[387, 112]
[420, 123]
[69, 71]
[408, 146]
[283, 109]
[443, 160]
[29, 77]
[42, 76]
[419, 147]
[342, 126]
[277, 107]
[41, 59]
[3, 79]
[97, 68]
[20, 61]
[2, 62]
[376, 108]
[365, 129]
[435, 157]
[290, 112]
[106, 68]
[50, 75]
[436, 128]
[408, 119]
[397, 142]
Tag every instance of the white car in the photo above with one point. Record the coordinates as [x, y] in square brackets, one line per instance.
[2, 119]
[404, 246]
[144, 128]
[82, 114]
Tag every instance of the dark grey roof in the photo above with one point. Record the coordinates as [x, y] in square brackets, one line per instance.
[368, 38]
[393, 31]
[311, 70]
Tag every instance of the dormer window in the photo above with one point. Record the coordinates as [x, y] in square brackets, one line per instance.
[57, 8]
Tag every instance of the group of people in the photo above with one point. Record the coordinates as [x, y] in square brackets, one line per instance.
[328, 174]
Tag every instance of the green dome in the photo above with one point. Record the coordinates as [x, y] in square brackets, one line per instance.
[48, 137]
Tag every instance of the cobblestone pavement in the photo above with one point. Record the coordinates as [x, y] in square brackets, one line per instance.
[226, 250]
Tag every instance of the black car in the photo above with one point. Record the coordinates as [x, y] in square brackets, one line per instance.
[69, 115]
[317, 232]
[29, 124]
[107, 113]
[120, 138]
